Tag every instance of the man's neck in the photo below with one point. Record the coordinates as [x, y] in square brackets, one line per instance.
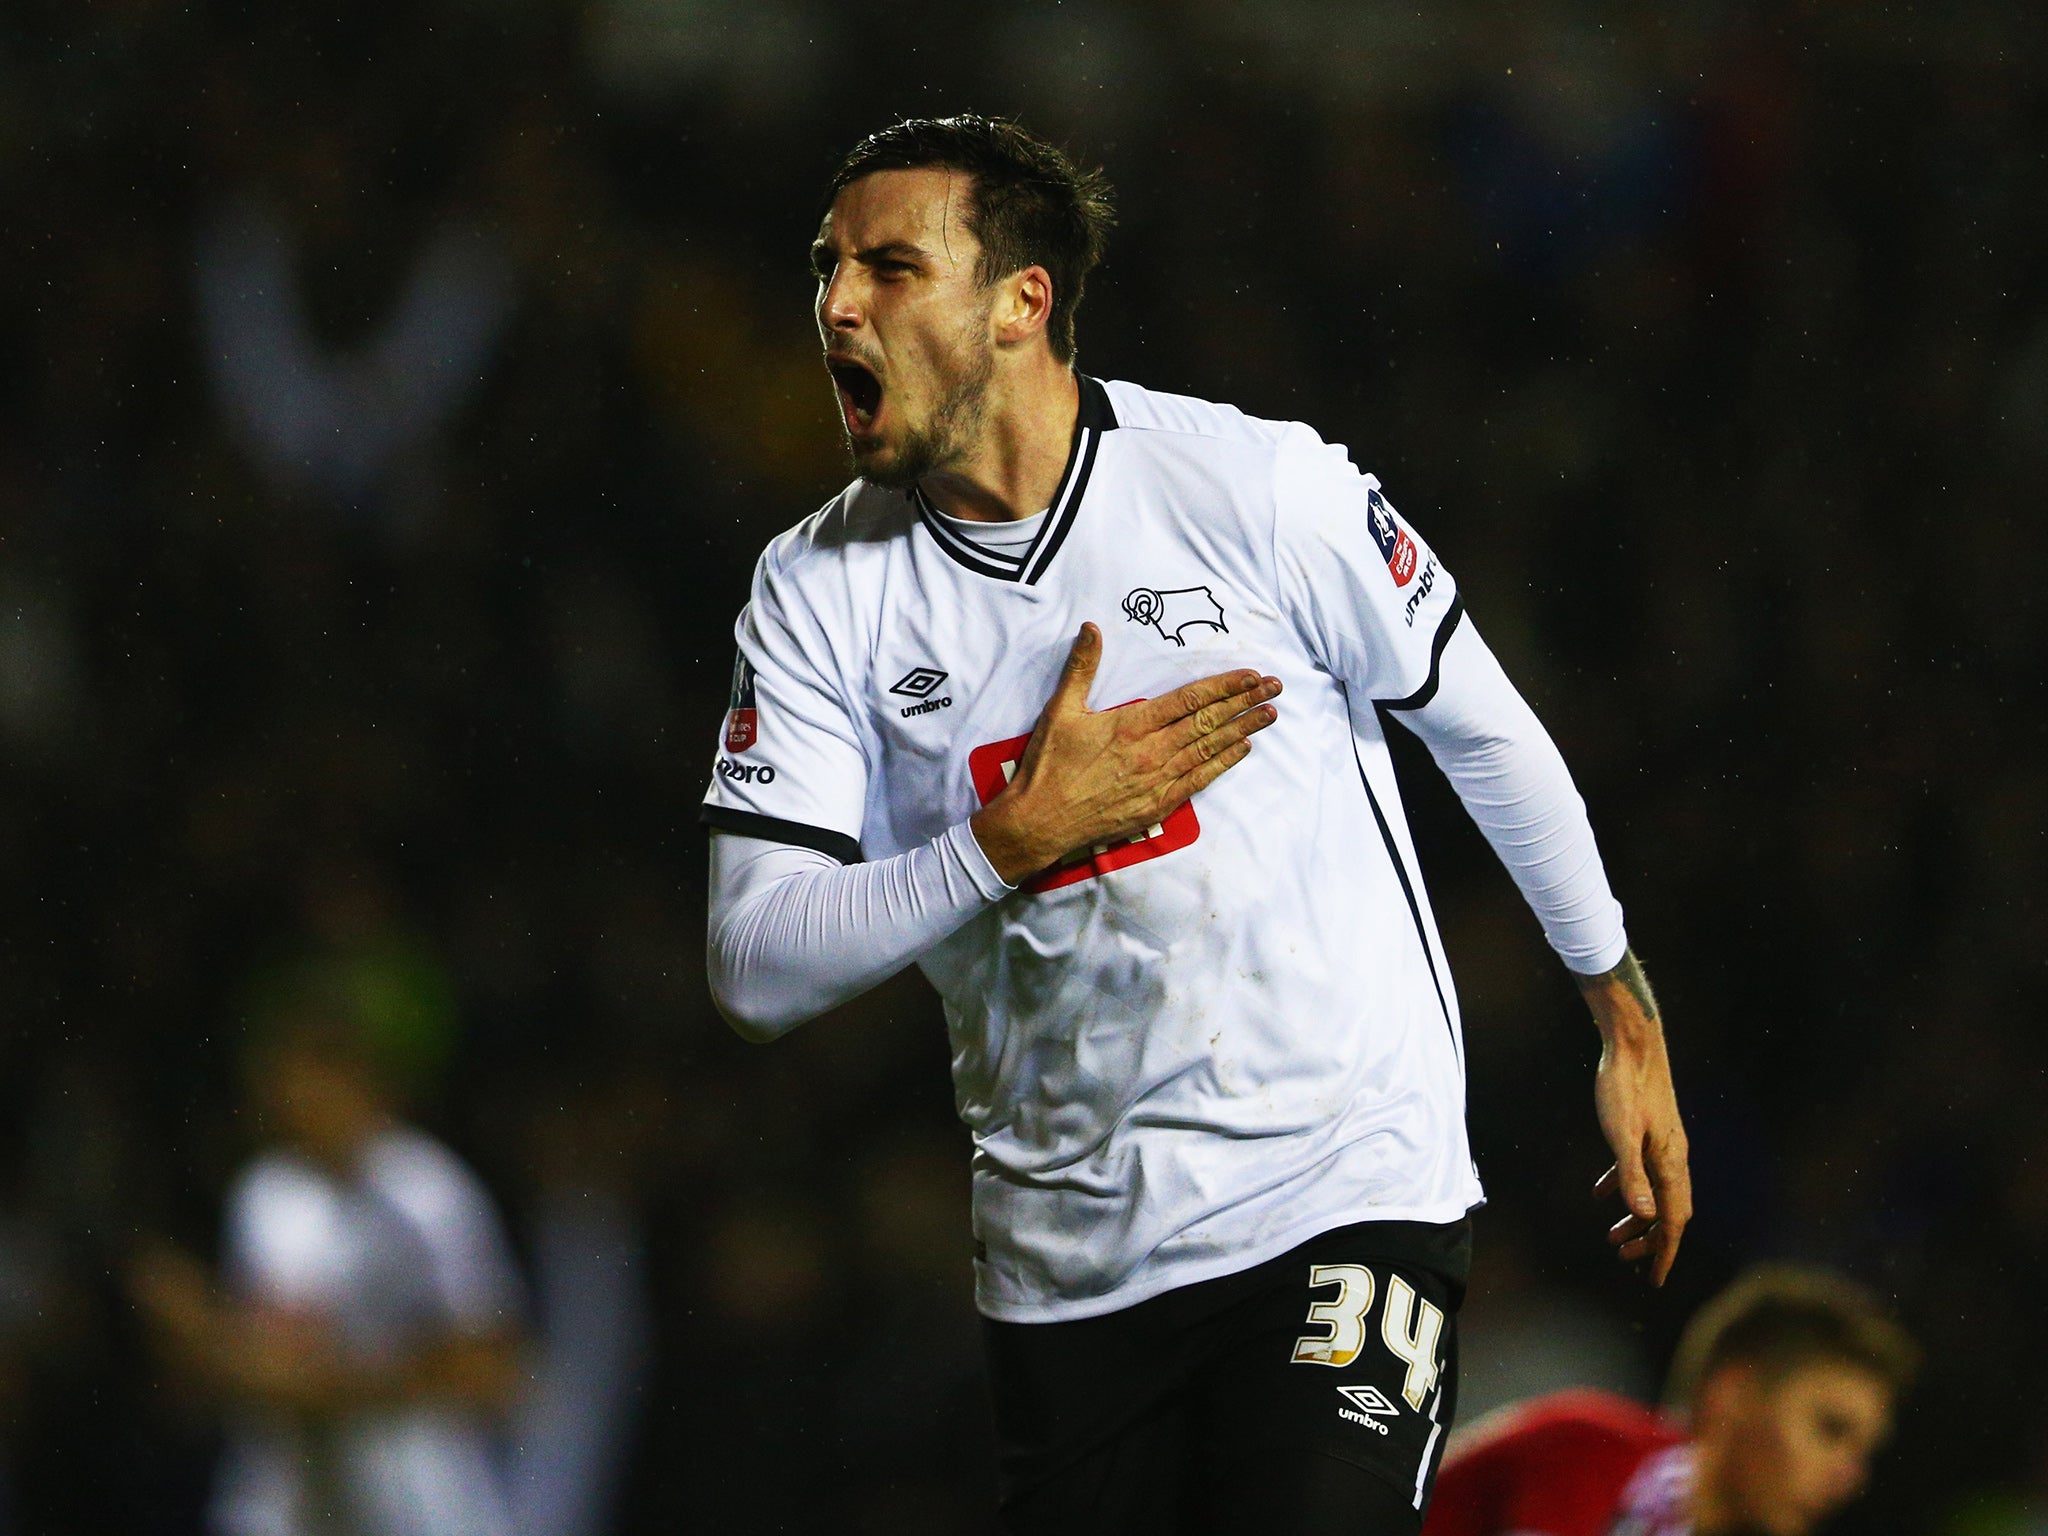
[1712, 1511]
[1016, 463]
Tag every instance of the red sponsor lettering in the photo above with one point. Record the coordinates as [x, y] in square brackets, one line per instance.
[991, 767]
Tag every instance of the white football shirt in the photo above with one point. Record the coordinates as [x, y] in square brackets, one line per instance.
[408, 1251]
[1185, 1053]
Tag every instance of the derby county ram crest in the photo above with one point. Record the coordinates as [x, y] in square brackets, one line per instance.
[1172, 613]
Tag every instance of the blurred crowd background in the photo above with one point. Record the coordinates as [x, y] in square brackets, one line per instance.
[393, 400]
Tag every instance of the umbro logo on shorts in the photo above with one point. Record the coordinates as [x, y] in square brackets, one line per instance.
[921, 683]
[1368, 1406]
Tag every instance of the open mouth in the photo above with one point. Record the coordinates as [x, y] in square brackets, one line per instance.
[860, 392]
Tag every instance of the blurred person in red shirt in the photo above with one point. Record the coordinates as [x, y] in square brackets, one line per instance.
[1781, 1391]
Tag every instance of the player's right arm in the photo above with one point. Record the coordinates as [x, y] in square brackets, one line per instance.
[799, 924]
[794, 933]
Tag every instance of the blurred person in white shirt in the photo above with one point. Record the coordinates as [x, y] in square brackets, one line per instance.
[366, 1336]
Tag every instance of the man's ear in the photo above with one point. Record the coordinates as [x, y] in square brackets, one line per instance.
[1023, 306]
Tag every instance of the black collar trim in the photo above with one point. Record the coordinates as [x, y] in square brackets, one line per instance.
[1096, 409]
[1003, 564]
[1097, 416]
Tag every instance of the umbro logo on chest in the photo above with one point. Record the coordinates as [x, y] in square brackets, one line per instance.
[921, 683]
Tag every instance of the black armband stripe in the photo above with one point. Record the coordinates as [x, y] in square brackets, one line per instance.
[773, 829]
[1427, 691]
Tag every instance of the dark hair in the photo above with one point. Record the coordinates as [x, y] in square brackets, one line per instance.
[1778, 1317]
[1031, 205]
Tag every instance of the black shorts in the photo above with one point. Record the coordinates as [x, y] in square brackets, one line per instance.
[1310, 1394]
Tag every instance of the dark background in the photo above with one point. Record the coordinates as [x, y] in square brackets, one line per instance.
[1706, 343]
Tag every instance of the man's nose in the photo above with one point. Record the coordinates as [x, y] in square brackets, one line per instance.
[840, 306]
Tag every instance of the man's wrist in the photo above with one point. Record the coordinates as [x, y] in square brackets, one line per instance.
[1008, 849]
[967, 849]
[1622, 1004]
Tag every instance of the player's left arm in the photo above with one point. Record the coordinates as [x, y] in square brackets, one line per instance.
[1379, 610]
[1514, 783]
[1638, 1109]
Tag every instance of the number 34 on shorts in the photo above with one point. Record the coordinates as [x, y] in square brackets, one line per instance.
[1410, 1326]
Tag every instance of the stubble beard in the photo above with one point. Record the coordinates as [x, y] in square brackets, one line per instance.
[947, 435]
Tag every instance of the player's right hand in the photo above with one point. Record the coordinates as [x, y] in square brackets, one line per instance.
[1091, 776]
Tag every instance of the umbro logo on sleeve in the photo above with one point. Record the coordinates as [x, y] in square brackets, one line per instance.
[1416, 597]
